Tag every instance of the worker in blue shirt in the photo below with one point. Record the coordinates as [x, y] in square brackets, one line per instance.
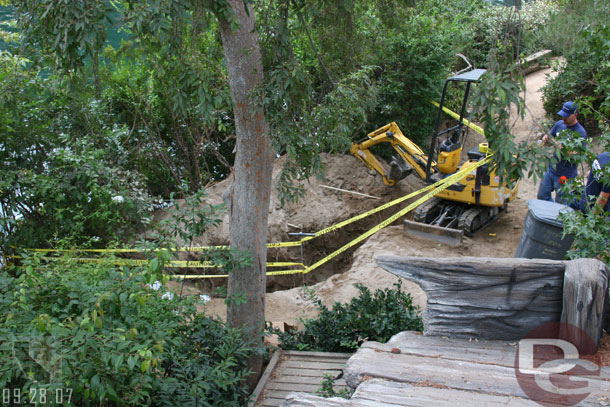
[562, 170]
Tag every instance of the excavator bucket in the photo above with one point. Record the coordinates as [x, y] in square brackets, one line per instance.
[448, 236]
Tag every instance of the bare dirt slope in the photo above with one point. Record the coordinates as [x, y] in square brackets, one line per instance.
[322, 207]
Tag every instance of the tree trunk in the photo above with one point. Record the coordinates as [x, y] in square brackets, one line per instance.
[248, 200]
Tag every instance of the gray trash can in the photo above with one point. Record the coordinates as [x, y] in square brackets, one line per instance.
[541, 237]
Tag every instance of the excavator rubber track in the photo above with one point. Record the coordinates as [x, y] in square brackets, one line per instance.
[447, 222]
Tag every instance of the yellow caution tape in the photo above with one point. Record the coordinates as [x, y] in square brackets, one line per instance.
[295, 243]
[441, 185]
[181, 249]
[171, 264]
[206, 276]
[433, 190]
[457, 117]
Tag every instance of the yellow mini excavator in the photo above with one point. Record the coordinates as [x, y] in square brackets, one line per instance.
[467, 205]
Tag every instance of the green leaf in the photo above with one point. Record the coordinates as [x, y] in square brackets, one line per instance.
[131, 362]
[95, 382]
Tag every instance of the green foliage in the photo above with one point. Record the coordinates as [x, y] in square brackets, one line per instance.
[178, 107]
[582, 34]
[493, 23]
[500, 90]
[370, 316]
[106, 335]
[167, 84]
[591, 229]
[329, 126]
[327, 389]
[414, 61]
[189, 219]
[63, 176]
[536, 20]
[70, 31]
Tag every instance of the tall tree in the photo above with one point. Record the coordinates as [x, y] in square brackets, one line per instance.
[249, 194]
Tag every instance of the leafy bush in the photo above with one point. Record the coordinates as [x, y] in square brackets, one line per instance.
[101, 336]
[415, 60]
[535, 18]
[374, 317]
[584, 43]
[327, 389]
[63, 165]
[591, 230]
[493, 23]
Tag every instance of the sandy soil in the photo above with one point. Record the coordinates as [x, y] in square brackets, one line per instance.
[322, 207]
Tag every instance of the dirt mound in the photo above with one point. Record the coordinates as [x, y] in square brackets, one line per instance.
[322, 207]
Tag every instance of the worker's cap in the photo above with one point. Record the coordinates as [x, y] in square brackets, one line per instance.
[568, 109]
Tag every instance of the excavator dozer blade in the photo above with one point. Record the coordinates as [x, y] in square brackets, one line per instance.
[448, 236]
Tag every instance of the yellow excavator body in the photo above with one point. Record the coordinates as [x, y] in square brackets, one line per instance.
[492, 194]
[467, 205]
[406, 149]
[448, 162]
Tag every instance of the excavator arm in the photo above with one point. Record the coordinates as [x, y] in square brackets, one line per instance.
[412, 155]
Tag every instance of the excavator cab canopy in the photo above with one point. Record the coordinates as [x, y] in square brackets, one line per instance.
[469, 77]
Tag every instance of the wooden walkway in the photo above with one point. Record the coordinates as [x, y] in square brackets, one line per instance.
[413, 370]
[294, 371]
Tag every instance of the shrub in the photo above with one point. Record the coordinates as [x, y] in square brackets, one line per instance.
[63, 170]
[415, 60]
[374, 317]
[583, 41]
[535, 17]
[101, 336]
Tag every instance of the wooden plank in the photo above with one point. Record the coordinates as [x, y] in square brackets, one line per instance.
[439, 372]
[272, 402]
[483, 297]
[301, 387]
[307, 380]
[305, 364]
[406, 394]
[302, 371]
[536, 55]
[264, 378]
[305, 373]
[317, 359]
[311, 387]
[325, 355]
[277, 394]
[309, 400]
[409, 342]
[501, 353]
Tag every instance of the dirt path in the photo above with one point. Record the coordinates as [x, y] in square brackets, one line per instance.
[322, 208]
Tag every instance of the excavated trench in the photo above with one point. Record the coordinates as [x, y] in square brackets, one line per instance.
[320, 208]
[309, 253]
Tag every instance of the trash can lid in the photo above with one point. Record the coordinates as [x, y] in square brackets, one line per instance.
[546, 211]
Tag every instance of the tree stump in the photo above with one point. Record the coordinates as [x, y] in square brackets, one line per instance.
[585, 290]
[486, 298]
